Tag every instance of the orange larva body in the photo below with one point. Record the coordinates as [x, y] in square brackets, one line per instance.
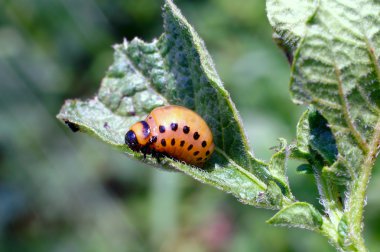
[177, 132]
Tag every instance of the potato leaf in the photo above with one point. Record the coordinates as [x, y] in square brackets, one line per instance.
[336, 68]
[176, 69]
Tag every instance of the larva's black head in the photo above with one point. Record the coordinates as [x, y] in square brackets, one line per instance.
[131, 140]
[138, 135]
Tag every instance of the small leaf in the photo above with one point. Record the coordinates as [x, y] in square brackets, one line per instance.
[343, 236]
[277, 167]
[321, 138]
[299, 214]
[274, 194]
[314, 135]
[301, 148]
[303, 133]
[305, 169]
[175, 69]
[337, 173]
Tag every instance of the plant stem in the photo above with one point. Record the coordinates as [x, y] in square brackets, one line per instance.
[358, 192]
[330, 197]
[329, 230]
[356, 202]
[328, 192]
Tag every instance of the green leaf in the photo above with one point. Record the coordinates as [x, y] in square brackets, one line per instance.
[316, 141]
[277, 167]
[299, 214]
[303, 134]
[301, 150]
[305, 169]
[321, 138]
[337, 173]
[175, 69]
[336, 68]
[289, 18]
[314, 137]
[343, 236]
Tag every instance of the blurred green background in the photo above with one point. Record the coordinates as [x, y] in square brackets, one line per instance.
[61, 191]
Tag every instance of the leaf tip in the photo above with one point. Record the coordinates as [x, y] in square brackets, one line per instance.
[298, 214]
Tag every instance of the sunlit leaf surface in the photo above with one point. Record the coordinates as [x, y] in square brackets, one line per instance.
[336, 68]
[175, 69]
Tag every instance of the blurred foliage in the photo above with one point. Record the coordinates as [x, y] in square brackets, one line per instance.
[61, 191]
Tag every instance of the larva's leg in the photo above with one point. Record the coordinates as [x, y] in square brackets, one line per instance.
[145, 150]
[156, 155]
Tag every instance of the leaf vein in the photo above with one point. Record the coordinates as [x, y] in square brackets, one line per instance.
[345, 108]
[242, 170]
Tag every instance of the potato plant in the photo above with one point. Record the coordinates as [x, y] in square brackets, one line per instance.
[332, 47]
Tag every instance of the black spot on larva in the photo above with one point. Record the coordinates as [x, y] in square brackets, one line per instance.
[204, 143]
[182, 143]
[196, 153]
[199, 159]
[174, 126]
[207, 153]
[163, 142]
[190, 147]
[186, 129]
[173, 141]
[153, 139]
[162, 129]
[196, 136]
[150, 117]
[146, 128]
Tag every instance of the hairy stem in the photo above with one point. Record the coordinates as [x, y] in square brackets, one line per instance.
[331, 203]
[356, 203]
[358, 193]
[330, 197]
[329, 230]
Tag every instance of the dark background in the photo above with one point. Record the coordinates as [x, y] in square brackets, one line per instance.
[61, 191]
